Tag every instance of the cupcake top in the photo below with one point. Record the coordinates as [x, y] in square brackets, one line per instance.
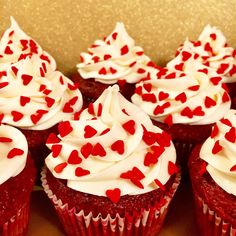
[16, 45]
[114, 58]
[33, 96]
[211, 50]
[219, 153]
[112, 148]
[14, 150]
[175, 97]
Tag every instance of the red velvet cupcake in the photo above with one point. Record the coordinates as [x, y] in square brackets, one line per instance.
[212, 167]
[34, 96]
[17, 175]
[212, 53]
[184, 105]
[114, 60]
[111, 172]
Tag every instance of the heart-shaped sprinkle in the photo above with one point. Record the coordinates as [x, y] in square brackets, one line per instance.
[124, 50]
[60, 167]
[99, 113]
[181, 97]
[148, 87]
[140, 53]
[231, 135]
[113, 70]
[223, 67]
[16, 116]
[149, 97]
[226, 122]
[24, 100]
[3, 84]
[202, 169]
[194, 87]
[56, 150]
[73, 86]
[215, 80]
[162, 95]
[8, 50]
[1, 118]
[89, 131]
[198, 111]
[49, 101]
[67, 108]
[26, 79]
[15, 152]
[52, 138]
[98, 150]
[150, 159]
[186, 55]
[187, 112]
[114, 35]
[102, 71]
[106, 57]
[118, 146]
[163, 139]
[113, 194]
[64, 128]
[172, 168]
[233, 168]
[129, 126]
[15, 70]
[158, 110]
[179, 66]
[35, 118]
[168, 120]
[121, 82]
[81, 172]
[209, 102]
[105, 131]
[225, 97]
[141, 71]
[91, 109]
[217, 147]
[5, 140]
[159, 184]
[149, 137]
[208, 48]
[86, 150]
[74, 158]
[233, 70]
[213, 36]
[215, 131]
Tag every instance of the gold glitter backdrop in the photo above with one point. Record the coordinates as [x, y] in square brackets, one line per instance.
[65, 28]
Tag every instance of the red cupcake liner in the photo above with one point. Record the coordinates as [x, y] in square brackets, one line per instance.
[147, 222]
[209, 223]
[18, 224]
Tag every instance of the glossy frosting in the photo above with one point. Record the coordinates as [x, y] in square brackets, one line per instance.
[14, 150]
[112, 147]
[175, 97]
[211, 51]
[114, 58]
[219, 152]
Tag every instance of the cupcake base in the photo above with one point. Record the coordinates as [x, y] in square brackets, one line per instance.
[146, 221]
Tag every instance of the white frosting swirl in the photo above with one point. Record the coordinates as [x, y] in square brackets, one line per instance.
[211, 51]
[14, 150]
[33, 96]
[219, 152]
[179, 98]
[112, 111]
[115, 58]
[15, 45]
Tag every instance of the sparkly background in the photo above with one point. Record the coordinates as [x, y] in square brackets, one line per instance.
[65, 28]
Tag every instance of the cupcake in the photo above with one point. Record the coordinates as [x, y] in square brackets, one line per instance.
[114, 60]
[212, 168]
[185, 106]
[34, 97]
[212, 52]
[111, 172]
[17, 175]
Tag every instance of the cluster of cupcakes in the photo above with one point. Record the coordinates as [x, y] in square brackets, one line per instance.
[115, 135]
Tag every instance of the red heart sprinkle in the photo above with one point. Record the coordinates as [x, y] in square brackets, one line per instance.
[194, 87]
[26, 79]
[225, 97]
[198, 111]
[223, 67]
[129, 126]
[162, 95]
[197, 44]
[52, 138]
[121, 82]
[15, 70]
[24, 43]
[202, 169]
[226, 122]
[114, 35]
[105, 131]
[163, 139]
[86, 150]
[158, 110]
[45, 58]
[81, 172]
[149, 97]
[91, 109]
[124, 50]
[187, 112]
[16, 115]
[60, 167]
[1, 118]
[179, 66]
[159, 184]
[56, 150]
[150, 159]
[99, 113]
[209, 102]
[233, 168]
[98, 150]
[73, 86]
[181, 97]
[35, 118]
[141, 71]
[215, 80]
[3, 84]
[186, 55]
[148, 87]
[148, 137]
[64, 128]
[106, 57]
[205, 71]
[215, 131]
[102, 71]
[15, 152]
[5, 140]
[73, 100]
[231, 135]
[213, 36]
[172, 168]
[24, 100]
[140, 53]
[8, 50]
[49, 101]
[217, 147]
[89, 131]
[118, 146]
[113, 194]
[74, 158]
[138, 90]
[168, 120]
[132, 64]
[67, 108]
[112, 70]
[233, 70]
